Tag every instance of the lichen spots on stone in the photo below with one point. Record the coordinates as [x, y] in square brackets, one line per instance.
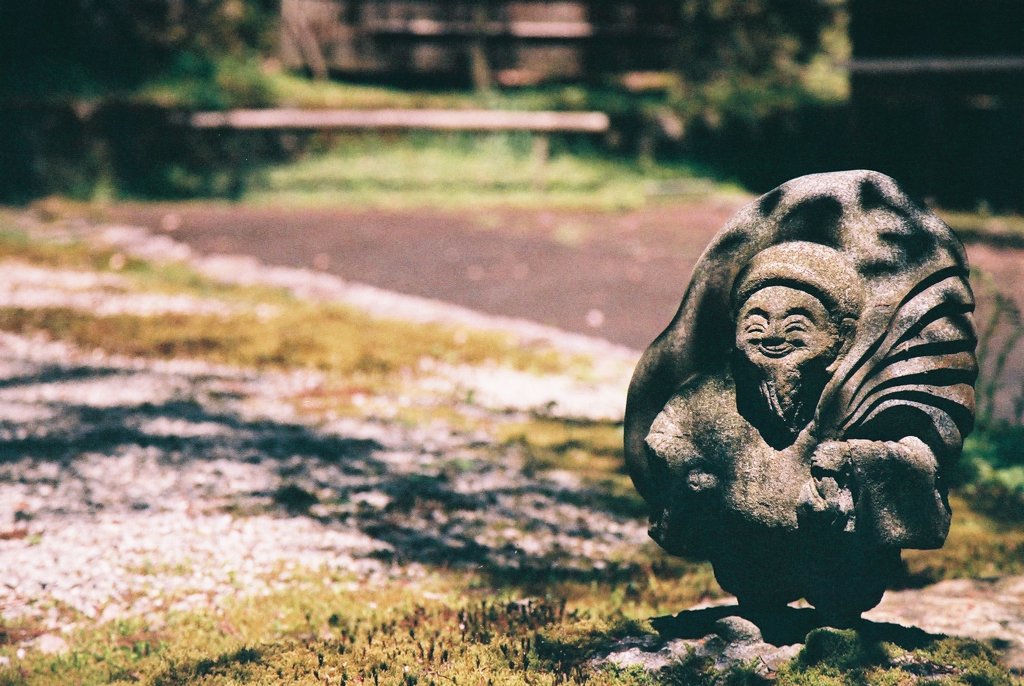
[816, 220]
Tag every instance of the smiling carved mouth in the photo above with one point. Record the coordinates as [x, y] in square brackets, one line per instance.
[776, 351]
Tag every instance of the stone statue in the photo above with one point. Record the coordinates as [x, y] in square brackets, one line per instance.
[795, 422]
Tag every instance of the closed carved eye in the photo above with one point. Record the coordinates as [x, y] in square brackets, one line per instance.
[755, 324]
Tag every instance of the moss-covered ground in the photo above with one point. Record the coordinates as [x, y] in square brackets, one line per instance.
[435, 624]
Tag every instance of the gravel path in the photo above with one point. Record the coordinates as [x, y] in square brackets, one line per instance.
[121, 484]
[130, 487]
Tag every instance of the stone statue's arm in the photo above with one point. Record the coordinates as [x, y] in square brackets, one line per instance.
[890, 491]
[680, 456]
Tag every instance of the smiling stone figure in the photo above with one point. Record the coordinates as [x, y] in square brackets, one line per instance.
[796, 305]
[794, 423]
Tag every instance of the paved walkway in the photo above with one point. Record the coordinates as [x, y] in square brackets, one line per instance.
[619, 276]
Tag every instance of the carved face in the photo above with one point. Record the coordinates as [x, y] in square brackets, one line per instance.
[789, 339]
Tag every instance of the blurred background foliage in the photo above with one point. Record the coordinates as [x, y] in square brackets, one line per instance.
[91, 88]
[60, 49]
[752, 92]
[750, 59]
[733, 56]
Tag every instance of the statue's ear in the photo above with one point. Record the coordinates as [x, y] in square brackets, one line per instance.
[847, 332]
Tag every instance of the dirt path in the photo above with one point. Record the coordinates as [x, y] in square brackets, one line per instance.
[551, 267]
[615, 275]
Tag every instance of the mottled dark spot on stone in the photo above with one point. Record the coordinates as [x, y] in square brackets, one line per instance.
[728, 243]
[904, 229]
[816, 220]
[871, 196]
[769, 201]
[914, 246]
[878, 268]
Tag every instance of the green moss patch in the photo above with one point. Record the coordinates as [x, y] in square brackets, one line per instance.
[591, 449]
[977, 546]
[439, 630]
[586, 447]
[848, 658]
[327, 338]
[292, 334]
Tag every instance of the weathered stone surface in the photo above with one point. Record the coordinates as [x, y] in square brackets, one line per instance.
[730, 641]
[794, 422]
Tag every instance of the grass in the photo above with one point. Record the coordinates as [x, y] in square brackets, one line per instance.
[231, 82]
[338, 340]
[1006, 230]
[442, 629]
[327, 338]
[367, 361]
[455, 627]
[450, 628]
[289, 90]
[993, 470]
[453, 173]
[463, 170]
[846, 658]
[590, 449]
[978, 546]
[163, 277]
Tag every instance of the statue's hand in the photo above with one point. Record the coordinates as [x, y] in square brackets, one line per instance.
[824, 504]
[830, 459]
[826, 499]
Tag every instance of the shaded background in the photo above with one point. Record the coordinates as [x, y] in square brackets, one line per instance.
[757, 92]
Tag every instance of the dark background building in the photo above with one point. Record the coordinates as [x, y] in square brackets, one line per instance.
[937, 96]
[512, 42]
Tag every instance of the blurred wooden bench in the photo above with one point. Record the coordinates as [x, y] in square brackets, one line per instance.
[540, 124]
[429, 120]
